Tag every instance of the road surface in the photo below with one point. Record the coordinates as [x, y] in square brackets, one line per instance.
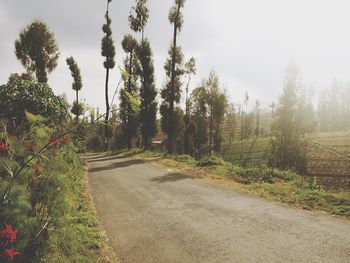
[153, 214]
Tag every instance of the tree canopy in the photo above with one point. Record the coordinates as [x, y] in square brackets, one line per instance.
[37, 50]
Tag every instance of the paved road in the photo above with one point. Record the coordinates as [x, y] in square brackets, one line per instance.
[152, 214]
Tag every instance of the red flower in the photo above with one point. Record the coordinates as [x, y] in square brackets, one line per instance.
[55, 142]
[11, 253]
[60, 140]
[8, 234]
[4, 147]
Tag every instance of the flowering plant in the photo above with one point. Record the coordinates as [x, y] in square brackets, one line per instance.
[8, 237]
[58, 141]
[4, 147]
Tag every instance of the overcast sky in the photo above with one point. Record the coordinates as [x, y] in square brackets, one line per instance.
[247, 42]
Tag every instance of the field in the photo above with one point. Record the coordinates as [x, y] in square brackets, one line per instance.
[249, 152]
[329, 160]
[328, 157]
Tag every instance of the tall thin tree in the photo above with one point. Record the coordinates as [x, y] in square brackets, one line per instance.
[76, 85]
[139, 16]
[171, 92]
[148, 107]
[217, 104]
[107, 51]
[257, 118]
[190, 69]
[129, 94]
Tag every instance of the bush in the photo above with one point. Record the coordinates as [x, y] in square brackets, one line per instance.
[37, 201]
[263, 175]
[20, 95]
[212, 160]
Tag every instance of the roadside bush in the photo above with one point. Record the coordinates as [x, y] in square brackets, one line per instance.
[212, 160]
[21, 94]
[184, 158]
[37, 191]
[263, 175]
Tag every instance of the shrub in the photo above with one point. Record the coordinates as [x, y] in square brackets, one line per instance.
[212, 160]
[33, 192]
[20, 95]
[263, 175]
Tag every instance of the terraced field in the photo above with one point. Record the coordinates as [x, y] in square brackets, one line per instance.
[328, 157]
[329, 160]
[250, 152]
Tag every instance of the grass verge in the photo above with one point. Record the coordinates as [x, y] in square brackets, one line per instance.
[78, 237]
[272, 184]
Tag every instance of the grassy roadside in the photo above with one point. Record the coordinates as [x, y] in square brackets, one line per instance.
[272, 184]
[79, 237]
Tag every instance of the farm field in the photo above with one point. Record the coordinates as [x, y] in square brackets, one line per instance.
[328, 157]
[335, 141]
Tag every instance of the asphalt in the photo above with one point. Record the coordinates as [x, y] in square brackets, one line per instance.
[154, 214]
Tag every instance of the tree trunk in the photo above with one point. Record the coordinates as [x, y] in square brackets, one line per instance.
[211, 129]
[172, 90]
[76, 102]
[129, 135]
[107, 111]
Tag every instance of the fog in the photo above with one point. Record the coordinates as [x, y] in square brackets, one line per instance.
[247, 42]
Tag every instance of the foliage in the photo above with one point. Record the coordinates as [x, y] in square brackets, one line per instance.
[7, 239]
[129, 96]
[37, 50]
[20, 95]
[107, 51]
[208, 106]
[199, 119]
[178, 129]
[190, 69]
[288, 145]
[171, 93]
[107, 46]
[210, 160]
[139, 16]
[333, 108]
[216, 103]
[148, 93]
[248, 153]
[183, 158]
[75, 72]
[77, 108]
[40, 192]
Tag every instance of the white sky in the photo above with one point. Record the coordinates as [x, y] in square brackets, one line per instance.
[247, 42]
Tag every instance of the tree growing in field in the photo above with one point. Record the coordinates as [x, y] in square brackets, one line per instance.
[107, 51]
[37, 50]
[288, 145]
[171, 93]
[77, 85]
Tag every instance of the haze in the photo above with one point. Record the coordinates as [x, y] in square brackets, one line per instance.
[248, 43]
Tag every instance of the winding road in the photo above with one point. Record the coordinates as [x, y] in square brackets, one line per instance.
[154, 214]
